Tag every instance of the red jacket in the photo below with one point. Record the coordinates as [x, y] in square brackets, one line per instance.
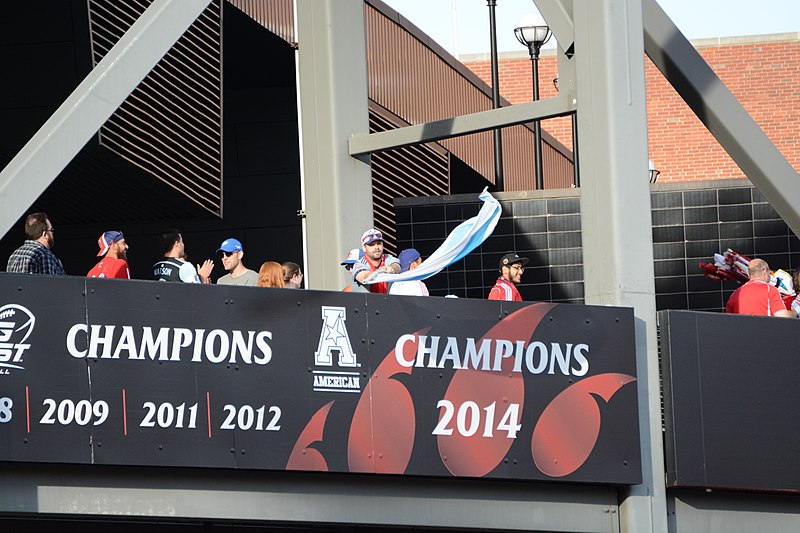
[504, 290]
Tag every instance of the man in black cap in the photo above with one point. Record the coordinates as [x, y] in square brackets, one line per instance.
[511, 269]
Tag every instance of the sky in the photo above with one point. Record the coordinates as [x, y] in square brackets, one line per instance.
[697, 19]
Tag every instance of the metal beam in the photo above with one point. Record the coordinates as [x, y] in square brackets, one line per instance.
[615, 216]
[319, 498]
[558, 14]
[332, 105]
[362, 143]
[92, 102]
[721, 113]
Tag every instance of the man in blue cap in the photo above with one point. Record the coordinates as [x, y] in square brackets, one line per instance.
[409, 260]
[230, 253]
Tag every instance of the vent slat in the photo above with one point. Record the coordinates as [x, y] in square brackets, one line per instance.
[171, 124]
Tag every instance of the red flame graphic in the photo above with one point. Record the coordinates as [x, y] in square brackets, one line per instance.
[567, 431]
[303, 457]
[477, 455]
[383, 427]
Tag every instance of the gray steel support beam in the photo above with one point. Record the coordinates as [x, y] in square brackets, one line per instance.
[323, 499]
[332, 106]
[722, 114]
[558, 14]
[363, 143]
[92, 102]
[615, 215]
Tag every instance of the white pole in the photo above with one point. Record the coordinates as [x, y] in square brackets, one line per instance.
[454, 18]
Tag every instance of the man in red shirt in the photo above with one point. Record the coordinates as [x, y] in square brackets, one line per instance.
[757, 296]
[511, 269]
[114, 265]
[374, 260]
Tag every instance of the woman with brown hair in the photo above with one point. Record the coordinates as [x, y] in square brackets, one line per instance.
[292, 275]
[270, 275]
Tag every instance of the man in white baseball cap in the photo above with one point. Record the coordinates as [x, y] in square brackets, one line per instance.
[374, 260]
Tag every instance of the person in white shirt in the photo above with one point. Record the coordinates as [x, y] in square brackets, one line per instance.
[409, 260]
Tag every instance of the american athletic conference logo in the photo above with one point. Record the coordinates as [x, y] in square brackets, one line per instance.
[16, 325]
[335, 350]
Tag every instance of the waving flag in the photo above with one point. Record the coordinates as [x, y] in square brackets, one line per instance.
[462, 240]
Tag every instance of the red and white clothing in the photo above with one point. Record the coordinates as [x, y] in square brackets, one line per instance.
[755, 297]
[110, 267]
[365, 264]
[504, 290]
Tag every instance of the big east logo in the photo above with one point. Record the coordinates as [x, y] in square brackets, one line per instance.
[16, 325]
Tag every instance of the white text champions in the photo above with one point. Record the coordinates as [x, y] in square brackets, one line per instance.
[537, 357]
[169, 344]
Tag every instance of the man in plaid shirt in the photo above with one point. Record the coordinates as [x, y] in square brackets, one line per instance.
[34, 256]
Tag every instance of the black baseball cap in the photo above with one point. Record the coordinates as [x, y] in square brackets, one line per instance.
[510, 259]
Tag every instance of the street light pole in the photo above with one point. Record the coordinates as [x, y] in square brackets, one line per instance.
[498, 144]
[534, 36]
[537, 126]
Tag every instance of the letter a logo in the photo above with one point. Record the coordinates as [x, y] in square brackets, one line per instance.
[334, 338]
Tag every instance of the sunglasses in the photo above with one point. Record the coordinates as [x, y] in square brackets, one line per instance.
[226, 254]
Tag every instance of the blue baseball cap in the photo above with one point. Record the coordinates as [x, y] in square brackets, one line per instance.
[406, 257]
[230, 245]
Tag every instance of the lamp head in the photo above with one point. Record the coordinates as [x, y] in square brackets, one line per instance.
[533, 31]
[652, 171]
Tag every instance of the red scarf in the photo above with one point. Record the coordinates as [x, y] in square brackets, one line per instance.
[382, 287]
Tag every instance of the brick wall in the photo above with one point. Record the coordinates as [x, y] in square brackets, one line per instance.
[762, 72]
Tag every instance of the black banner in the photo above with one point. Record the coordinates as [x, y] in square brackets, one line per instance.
[166, 374]
[730, 401]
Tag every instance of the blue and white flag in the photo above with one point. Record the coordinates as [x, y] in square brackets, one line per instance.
[462, 240]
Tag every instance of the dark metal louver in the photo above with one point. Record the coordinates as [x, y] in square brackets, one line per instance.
[171, 124]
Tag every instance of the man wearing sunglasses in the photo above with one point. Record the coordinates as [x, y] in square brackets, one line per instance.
[230, 253]
[374, 260]
[35, 255]
[511, 269]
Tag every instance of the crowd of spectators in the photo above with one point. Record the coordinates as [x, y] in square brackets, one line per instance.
[35, 256]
